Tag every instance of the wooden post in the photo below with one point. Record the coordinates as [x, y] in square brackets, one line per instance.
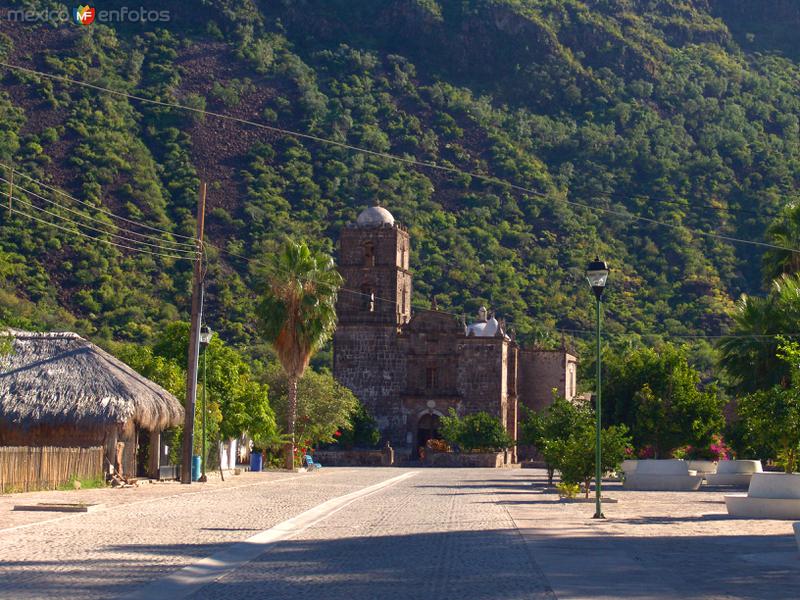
[194, 344]
[154, 454]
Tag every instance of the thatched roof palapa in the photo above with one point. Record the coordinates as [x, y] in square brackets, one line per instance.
[55, 379]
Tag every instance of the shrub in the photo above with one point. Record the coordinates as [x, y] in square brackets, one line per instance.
[576, 454]
[556, 423]
[478, 432]
[361, 431]
[568, 490]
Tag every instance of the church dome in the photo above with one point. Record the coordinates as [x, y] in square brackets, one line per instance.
[375, 216]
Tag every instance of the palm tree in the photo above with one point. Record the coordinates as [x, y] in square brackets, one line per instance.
[298, 315]
[749, 355]
[784, 233]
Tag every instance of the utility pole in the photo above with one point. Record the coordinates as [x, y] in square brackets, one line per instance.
[194, 344]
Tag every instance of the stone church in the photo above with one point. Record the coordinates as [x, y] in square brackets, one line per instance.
[410, 368]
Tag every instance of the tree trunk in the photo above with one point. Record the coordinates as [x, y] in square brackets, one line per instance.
[291, 416]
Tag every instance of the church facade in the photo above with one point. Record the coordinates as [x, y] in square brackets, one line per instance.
[409, 369]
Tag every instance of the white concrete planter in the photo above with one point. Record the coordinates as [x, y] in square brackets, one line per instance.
[703, 467]
[663, 475]
[770, 496]
[796, 527]
[628, 466]
[735, 472]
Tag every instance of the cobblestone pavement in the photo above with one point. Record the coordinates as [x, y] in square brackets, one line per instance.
[442, 534]
[150, 531]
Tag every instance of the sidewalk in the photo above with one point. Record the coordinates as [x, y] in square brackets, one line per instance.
[655, 545]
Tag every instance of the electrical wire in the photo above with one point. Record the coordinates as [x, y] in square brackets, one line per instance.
[678, 335]
[94, 219]
[418, 163]
[100, 208]
[401, 159]
[102, 231]
[76, 232]
[553, 330]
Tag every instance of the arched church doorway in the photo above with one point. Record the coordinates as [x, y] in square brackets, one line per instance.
[427, 429]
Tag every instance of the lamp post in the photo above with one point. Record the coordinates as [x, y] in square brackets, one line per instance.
[597, 275]
[205, 338]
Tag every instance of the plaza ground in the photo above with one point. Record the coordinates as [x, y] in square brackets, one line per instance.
[390, 534]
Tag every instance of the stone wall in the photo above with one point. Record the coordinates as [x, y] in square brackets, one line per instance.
[542, 371]
[367, 360]
[491, 460]
[483, 375]
[349, 458]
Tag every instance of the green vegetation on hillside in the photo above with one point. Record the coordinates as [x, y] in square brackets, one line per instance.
[655, 110]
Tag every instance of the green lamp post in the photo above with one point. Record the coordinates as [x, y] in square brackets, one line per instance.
[597, 275]
[205, 339]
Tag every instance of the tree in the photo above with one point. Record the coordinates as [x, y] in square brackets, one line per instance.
[784, 233]
[749, 357]
[575, 455]
[297, 315]
[323, 405]
[555, 423]
[479, 432]
[236, 402]
[360, 431]
[656, 393]
[771, 418]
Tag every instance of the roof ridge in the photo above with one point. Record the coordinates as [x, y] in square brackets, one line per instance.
[22, 334]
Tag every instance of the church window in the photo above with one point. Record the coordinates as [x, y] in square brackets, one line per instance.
[431, 378]
[369, 254]
[402, 257]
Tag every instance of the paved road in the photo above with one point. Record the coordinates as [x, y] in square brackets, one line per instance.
[435, 533]
[420, 538]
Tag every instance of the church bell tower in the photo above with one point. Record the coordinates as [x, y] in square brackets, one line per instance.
[373, 261]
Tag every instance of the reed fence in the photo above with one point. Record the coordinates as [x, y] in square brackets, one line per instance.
[25, 469]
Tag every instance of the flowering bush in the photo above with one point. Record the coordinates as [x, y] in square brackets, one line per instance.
[716, 450]
[438, 445]
[647, 452]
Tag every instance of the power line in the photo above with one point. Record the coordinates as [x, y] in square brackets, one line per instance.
[89, 217]
[76, 232]
[680, 203]
[678, 335]
[409, 161]
[100, 208]
[95, 229]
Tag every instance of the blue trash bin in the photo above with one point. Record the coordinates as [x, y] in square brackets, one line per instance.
[197, 462]
[255, 461]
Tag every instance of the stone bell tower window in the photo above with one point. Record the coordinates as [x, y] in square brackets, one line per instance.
[369, 254]
[367, 298]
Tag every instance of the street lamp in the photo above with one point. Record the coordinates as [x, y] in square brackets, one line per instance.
[205, 339]
[597, 275]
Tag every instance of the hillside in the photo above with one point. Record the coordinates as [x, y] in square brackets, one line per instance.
[671, 110]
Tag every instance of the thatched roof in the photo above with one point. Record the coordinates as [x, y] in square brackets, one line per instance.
[54, 379]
